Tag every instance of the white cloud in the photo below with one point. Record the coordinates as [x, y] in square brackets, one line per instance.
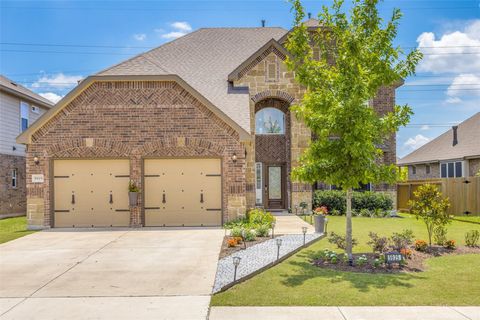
[453, 100]
[140, 36]
[464, 84]
[416, 142]
[179, 30]
[447, 53]
[173, 35]
[425, 127]
[182, 26]
[57, 81]
[51, 96]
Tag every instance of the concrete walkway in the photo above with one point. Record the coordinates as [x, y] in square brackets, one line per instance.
[345, 313]
[109, 274]
[291, 224]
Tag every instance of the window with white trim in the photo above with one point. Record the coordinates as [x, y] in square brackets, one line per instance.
[14, 178]
[270, 121]
[24, 115]
[452, 169]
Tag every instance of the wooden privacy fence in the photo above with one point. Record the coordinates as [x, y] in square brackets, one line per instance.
[463, 193]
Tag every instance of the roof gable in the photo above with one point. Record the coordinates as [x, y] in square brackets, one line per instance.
[20, 91]
[441, 148]
[271, 46]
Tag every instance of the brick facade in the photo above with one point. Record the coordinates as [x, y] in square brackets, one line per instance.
[135, 119]
[421, 172]
[473, 167]
[13, 198]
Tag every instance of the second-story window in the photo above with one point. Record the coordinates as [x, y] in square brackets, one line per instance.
[24, 113]
[14, 178]
[270, 121]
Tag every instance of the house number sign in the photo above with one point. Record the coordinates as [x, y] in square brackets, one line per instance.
[37, 178]
[393, 257]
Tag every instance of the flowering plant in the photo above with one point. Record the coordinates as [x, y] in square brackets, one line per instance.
[321, 210]
[421, 245]
[232, 242]
[407, 253]
[450, 244]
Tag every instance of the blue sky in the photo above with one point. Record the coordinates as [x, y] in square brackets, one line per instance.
[49, 45]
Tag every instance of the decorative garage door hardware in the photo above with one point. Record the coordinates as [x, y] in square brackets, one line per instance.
[151, 175]
[92, 196]
[61, 177]
[180, 177]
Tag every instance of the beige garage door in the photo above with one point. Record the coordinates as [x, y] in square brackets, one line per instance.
[183, 192]
[91, 193]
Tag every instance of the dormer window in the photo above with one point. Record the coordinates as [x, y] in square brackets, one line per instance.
[270, 121]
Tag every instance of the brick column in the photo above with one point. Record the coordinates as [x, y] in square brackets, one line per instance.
[136, 176]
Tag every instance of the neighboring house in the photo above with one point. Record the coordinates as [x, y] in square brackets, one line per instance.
[19, 108]
[454, 154]
[201, 124]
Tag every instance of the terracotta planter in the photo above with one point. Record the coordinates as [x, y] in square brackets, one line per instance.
[133, 199]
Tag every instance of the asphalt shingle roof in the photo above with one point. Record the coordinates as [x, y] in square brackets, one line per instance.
[441, 148]
[13, 86]
[204, 59]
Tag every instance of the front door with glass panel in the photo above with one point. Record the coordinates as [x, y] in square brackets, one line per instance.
[274, 187]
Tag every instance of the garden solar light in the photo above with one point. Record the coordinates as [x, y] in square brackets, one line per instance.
[304, 230]
[273, 230]
[236, 262]
[279, 243]
[243, 239]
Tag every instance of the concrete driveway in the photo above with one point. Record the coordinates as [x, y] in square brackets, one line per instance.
[109, 274]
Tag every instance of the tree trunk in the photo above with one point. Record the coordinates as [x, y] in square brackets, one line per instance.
[348, 236]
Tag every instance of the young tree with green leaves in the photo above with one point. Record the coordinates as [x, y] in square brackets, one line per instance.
[357, 58]
[431, 207]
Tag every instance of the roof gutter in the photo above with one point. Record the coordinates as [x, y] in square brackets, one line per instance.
[26, 136]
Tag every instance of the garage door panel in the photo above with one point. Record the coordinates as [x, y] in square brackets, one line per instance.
[93, 191]
[187, 190]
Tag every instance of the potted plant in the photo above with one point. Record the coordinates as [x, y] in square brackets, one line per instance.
[320, 214]
[133, 191]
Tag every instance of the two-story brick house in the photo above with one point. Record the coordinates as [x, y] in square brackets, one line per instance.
[19, 108]
[201, 124]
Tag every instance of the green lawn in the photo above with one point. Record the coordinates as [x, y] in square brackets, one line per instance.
[13, 228]
[448, 280]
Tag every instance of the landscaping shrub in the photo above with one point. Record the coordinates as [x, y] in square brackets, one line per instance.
[376, 203]
[262, 230]
[238, 239]
[407, 253]
[340, 241]
[249, 235]
[237, 223]
[450, 244]
[440, 235]
[236, 232]
[258, 217]
[421, 245]
[361, 260]
[378, 244]
[402, 240]
[472, 237]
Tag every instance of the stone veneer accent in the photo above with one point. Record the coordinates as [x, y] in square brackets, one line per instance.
[283, 88]
[473, 167]
[12, 200]
[135, 119]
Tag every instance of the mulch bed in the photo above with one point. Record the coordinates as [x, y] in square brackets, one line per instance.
[413, 264]
[226, 250]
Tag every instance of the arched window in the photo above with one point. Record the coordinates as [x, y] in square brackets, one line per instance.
[270, 121]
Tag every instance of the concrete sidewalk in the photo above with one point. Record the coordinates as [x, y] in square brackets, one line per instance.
[345, 313]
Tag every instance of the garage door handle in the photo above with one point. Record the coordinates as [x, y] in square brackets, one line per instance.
[164, 199]
[201, 197]
[73, 199]
[111, 198]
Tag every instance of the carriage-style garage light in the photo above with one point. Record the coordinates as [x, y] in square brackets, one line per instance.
[35, 160]
[234, 157]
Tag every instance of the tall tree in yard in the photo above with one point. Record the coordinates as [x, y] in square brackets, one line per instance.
[357, 58]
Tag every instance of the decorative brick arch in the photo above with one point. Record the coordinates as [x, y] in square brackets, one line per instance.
[277, 94]
[81, 148]
[181, 146]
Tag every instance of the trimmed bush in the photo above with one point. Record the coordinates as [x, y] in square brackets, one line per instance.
[257, 217]
[376, 203]
[262, 230]
[471, 238]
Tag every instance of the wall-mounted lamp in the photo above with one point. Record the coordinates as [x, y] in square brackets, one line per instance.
[234, 157]
[14, 148]
[36, 160]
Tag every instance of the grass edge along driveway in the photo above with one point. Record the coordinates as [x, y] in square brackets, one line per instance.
[448, 280]
[13, 228]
